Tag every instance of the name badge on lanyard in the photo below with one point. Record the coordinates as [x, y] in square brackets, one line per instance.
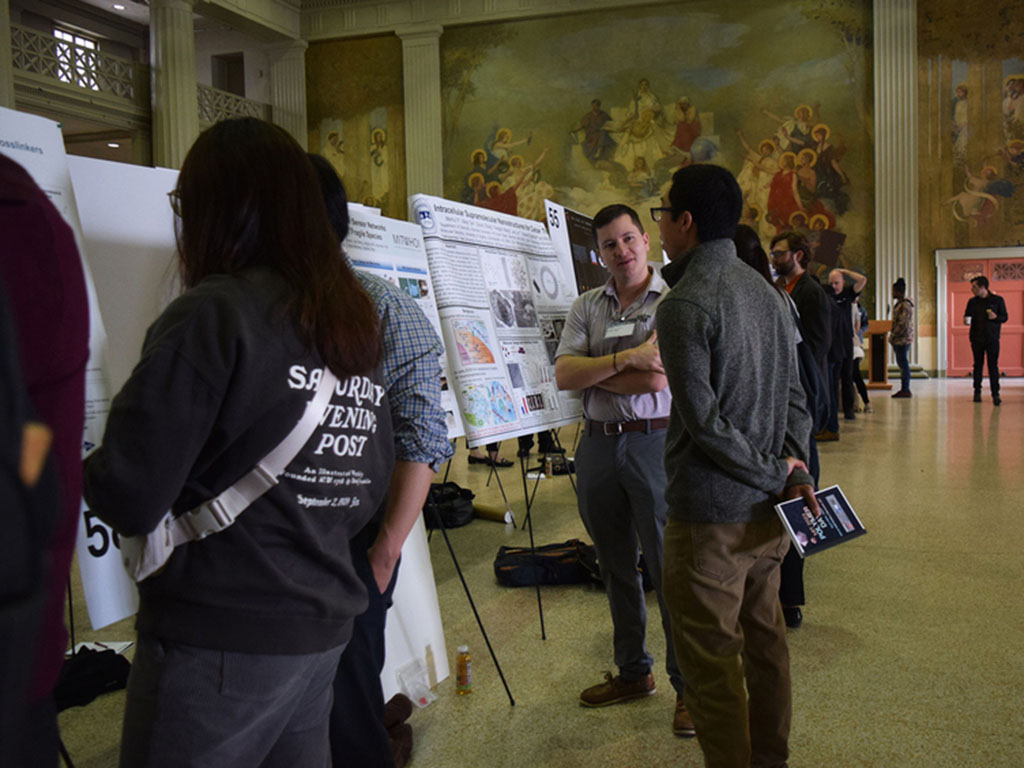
[620, 328]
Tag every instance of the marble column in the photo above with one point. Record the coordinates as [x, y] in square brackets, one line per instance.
[6, 58]
[896, 141]
[421, 69]
[172, 61]
[288, 87]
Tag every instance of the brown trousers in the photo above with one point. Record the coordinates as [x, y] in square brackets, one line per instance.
[721, 583]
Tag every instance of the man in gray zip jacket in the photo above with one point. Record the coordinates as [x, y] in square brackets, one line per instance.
[737, 442]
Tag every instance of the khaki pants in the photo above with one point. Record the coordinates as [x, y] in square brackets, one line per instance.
[721, 584]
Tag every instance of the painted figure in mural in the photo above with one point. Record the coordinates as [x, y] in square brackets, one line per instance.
[504, 202]
[499, 145]
[831, 176]
[514, 193]
[979, 201]
[1013, 152]
[379, 184]
[960, 123]
[751, 217]
[755, 179]
[597, 143]
[644, 99]
[783, 196]
[532, 195]
[511, 172]
[1013, 105]
[640, 129]
[687, 124]
[794, 132]
[806, 175]
[639, 139]
[531, 192]
[641, 180]
[477, 185]
[333, 152]
[479, 160]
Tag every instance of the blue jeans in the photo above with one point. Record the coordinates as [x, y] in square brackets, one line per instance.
[902, 360]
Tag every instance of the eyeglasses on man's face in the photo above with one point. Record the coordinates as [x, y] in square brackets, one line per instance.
[657, 213]
[778, 254]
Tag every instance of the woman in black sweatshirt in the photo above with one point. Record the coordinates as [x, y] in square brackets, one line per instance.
[240, 633]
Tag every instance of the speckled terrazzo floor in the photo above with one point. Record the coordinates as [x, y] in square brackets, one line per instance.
[910, 654]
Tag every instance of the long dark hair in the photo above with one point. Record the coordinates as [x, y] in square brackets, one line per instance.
[751, 252]
[247, 196]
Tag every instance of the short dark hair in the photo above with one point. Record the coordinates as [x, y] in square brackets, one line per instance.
[334, 194]
[900, 286]
[610, 213]
[711, 195]
[796, 242]
[751, 252]
[981, 281]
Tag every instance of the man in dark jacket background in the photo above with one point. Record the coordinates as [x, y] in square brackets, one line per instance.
[790, 255]
[985, 313]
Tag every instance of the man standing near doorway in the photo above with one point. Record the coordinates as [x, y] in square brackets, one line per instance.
[737, 441]
[609, 351]
[844, 295]
[985, 313]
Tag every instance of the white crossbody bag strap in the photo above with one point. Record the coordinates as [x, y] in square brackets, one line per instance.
[145, 555]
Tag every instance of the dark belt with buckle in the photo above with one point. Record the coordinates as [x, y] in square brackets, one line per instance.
[612, 428]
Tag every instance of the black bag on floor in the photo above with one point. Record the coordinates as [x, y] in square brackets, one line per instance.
[449, 501]
[565, 563]
[88, 674]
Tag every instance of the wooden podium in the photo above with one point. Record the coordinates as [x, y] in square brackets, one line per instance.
[878, 359]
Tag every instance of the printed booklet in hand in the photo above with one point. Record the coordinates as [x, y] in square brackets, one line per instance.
[836, 522]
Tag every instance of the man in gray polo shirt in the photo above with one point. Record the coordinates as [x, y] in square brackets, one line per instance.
[609, 351]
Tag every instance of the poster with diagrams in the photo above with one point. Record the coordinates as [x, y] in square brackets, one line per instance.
[393, 250]
[502, 295]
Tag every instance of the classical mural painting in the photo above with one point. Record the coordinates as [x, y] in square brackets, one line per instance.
[971, 123]
[603, 107]
[355, 113]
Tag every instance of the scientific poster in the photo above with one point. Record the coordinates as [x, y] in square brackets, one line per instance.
[502, 296]
[37, 145]
[393, 250]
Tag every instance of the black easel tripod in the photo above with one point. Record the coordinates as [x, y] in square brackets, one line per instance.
[528, 498]
[469, 596]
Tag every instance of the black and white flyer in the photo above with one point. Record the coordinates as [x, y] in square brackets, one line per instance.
[835, 523]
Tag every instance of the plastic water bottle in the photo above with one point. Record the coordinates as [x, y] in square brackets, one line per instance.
[463, 671]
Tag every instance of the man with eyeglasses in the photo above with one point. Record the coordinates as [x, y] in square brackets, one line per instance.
[790, 255]
[609, 351]
[737, 442]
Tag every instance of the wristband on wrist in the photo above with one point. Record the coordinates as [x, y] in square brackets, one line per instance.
[614, 366]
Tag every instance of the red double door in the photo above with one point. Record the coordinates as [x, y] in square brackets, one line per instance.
[1006, 279]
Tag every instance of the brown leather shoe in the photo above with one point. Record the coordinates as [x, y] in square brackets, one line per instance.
[615, 689]
[682, 724]
[826, 436]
